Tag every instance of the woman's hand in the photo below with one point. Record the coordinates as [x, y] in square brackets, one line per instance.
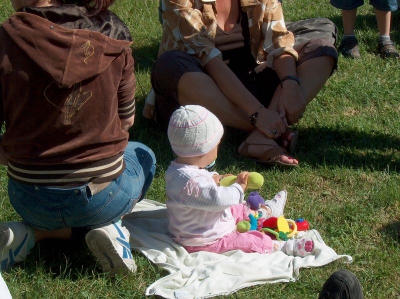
[292, 103]
[270, 123]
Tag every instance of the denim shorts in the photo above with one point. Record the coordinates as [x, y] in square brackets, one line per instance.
[51, 208]
[383, 5]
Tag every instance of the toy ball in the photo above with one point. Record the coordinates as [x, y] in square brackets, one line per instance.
[302, 224]
[255, 181]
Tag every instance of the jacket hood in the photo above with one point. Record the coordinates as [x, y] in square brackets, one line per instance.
[67, 54]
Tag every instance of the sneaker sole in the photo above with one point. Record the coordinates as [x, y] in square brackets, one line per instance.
[18, 252]
[103, 249]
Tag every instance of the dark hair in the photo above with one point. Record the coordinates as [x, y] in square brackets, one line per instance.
[93, 7]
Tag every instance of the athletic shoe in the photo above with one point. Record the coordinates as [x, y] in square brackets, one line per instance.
[110, 245]
[298, 247]
[349, 47]
[277, 204]
[14, 240]
[387, 50]
[342, 284]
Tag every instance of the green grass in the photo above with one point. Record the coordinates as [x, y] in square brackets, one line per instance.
[348, 185]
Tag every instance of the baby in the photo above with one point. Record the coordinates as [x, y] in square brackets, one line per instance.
[202, 214]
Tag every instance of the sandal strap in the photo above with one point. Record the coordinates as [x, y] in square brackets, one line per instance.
[272, 154]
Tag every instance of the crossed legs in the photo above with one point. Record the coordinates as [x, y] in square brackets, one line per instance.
[312, 73]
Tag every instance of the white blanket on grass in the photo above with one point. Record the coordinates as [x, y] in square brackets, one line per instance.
[205, 274]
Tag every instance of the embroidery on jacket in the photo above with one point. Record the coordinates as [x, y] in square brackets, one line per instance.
[88, 51]
[76, 99]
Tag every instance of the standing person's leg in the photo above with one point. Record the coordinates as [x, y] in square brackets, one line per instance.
[349, 43]
[383, 13]
[349, 21]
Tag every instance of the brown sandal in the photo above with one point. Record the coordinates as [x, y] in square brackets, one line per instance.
[292, 143]
[271, 156]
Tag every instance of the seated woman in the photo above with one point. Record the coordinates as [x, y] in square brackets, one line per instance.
[238, 59]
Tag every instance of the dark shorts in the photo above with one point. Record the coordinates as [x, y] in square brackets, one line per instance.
[171, 65]
[383, 5]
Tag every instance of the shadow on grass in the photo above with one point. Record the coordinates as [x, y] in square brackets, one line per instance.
[60, 259]
[392, 230]
[145, 56]
[349, 148]
[316, 146]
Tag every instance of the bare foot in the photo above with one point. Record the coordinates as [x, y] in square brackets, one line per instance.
[288, 140]
[258, 145]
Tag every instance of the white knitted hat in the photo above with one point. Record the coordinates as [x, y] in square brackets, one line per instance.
[194, 131]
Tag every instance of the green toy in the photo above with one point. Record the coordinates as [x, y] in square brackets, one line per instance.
[255, 181]
[243, 226]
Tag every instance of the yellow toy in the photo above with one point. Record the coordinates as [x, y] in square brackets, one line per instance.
[255, 181]
[284, 229]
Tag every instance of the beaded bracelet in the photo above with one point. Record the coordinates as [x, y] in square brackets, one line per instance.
[290, 78]
[254, 116]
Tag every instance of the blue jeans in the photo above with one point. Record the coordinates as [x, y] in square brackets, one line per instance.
[53, 208]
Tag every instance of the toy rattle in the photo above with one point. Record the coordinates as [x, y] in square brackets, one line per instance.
[283, 229]
[255, 180]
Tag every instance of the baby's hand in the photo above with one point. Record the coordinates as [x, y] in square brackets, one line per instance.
[242, 178]
[218, 177]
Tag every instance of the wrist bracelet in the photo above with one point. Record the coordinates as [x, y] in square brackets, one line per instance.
[254, 116]
[290, 78]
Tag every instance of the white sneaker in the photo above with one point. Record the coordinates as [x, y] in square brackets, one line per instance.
[299, 247]
[110, 245]
[277, 204]
[14, 240]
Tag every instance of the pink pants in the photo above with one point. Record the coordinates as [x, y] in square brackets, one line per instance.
[251, 241]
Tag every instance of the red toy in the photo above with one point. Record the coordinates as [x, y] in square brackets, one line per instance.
[302, 224]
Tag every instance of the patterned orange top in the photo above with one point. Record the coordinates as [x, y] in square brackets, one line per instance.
[190, 26]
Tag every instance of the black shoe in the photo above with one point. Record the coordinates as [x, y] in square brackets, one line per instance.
[349, 47]
[342, 284]
[387, 50]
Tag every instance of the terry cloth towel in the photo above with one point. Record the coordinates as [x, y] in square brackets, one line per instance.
[205, 274]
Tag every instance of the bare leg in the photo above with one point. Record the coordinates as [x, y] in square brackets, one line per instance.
[191, 90]
[349, 21]
[313, 75]
[383, 19]
[64, 233]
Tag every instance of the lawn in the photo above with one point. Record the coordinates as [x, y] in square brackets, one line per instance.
[348, 185]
